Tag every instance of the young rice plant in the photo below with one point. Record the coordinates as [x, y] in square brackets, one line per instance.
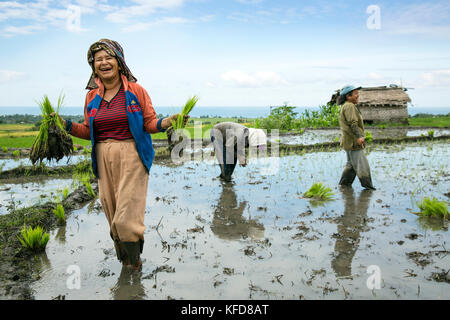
[319, 191]
[34, 239]
[432, 207]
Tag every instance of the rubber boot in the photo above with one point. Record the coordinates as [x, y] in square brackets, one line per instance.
[121, 252]
[366, 182]
[348, 176]
[133, 251]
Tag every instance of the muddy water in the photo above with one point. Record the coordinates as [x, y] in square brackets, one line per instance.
[27, 194]
[257, 238]
[322, 136]
[8, 164]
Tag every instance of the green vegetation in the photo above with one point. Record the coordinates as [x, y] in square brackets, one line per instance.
[284, 118]
[52, 142]
[431, 133]
[432, 207]
[179, 124]
[16, 153]
[89, 189]
[65, 193]
[5, 149]
[34, 239]
[59, 213]
[368, 138]
[319, 191]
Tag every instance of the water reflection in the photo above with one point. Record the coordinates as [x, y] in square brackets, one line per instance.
[349, 228]
[229, 223]
[129, 286]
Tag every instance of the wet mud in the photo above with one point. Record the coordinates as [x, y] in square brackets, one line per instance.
[257, 237]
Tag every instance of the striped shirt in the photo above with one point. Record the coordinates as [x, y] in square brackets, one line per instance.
[111, 121]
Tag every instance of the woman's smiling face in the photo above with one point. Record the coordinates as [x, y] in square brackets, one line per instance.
[106, 67]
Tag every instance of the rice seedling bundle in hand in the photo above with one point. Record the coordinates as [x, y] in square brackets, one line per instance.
[52, 142]
[179, 122]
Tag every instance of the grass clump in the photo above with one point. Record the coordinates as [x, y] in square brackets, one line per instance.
[5, 149]
[52, 142]
[319, 191]
[431, 133]
[34, 239]
[433, 208]
[16, 153]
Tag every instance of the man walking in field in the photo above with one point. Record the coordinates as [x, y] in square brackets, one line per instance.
[352, 140]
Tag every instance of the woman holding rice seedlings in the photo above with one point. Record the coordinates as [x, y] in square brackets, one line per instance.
[118, 119]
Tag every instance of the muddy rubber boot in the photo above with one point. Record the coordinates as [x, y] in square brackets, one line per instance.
[121, 252]
[366, 182]
[134, 250]
[348, 176]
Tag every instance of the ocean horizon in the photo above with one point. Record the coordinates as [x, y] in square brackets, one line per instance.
[225, 112]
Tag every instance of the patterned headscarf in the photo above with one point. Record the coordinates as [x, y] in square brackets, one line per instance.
[114, 49]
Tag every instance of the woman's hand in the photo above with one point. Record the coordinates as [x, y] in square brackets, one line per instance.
[167, 122]
[60, 119]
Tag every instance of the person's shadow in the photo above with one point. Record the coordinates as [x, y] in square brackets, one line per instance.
[228, 221]
[350, 225]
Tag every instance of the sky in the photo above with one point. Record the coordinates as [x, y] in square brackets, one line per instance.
[239, 53]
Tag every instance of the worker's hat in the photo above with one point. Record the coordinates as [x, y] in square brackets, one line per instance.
[347, 89]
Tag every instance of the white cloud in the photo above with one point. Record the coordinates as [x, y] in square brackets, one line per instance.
[141, 8]
[142, 26]
[423, 19]
[437, 78]
[7, 76]
[259, 79]
[11, 31]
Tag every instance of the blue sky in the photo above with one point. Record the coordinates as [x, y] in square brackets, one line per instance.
[228, 52]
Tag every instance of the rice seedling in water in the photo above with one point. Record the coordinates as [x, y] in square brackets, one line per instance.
[60, 214]
[34, 239]
[319, 191]
[5, 149]
[52, 142]
[16, 153]
[89, 189]
[65, 193]
[432, 207]
[431, 133]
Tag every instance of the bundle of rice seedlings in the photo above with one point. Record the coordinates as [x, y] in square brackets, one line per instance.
[319, 191]
[432, 207]
[368, 138]
[52, 142]
[34, 239]
[59, 213]
[179, 123]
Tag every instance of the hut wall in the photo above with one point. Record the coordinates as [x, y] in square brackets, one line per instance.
[384, 113]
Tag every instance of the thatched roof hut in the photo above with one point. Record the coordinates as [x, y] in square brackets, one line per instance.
[381, 104]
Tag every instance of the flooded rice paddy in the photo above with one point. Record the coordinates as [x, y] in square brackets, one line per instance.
[329, 135]
[258, 238]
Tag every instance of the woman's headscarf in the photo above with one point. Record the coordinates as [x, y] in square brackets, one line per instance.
[114, 49]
